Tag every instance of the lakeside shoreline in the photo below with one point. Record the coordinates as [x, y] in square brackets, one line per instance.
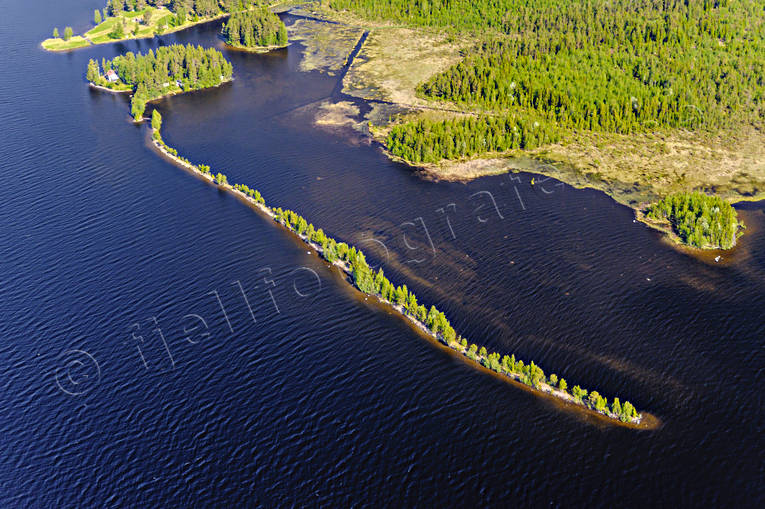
[253, 49]
[643, 420]
[501, 163]
[107, 89]
[632, 169]
[84, 41]
[181, 91]
[154, 99]
[131, 37]
[128, 73]
[498, 163]
[665, 227]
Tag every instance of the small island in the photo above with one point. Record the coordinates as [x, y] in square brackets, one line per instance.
[429, 321]
[170, 70]
[695, 219]
[257, 30]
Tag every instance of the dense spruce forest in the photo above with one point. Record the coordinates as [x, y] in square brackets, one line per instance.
[255, 28]
[429, 141]
[698, 219]
[199, 8]
[618, 66]
[168, 70]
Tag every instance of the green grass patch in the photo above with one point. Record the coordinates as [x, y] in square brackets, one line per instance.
[101, 34]
[103, 28]
[117, 86]
[62, 45]
[165, 21]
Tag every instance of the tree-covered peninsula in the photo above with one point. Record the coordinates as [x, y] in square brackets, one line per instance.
[429, 141]
[255, 29]
[699, 220]
[169, 70]
[133, 19]
[430, 320]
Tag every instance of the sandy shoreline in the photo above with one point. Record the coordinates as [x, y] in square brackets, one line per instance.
[107, 89]
[255, 49]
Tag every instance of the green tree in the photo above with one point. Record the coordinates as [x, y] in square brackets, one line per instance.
[97, 17]
[553, 379]
[255, 28]
[430, 141]
[578, 393]
[281, 36]
[146, 74]
[562, 385]
[118, 31]
[401, 294]
[93, 73]
[115, 7]
[156, 120]
[628, 411]
[138, 103]
[364, 280]
[136, 108]
[698, 219]
[597, 401]
[68, 33]
[616, 407]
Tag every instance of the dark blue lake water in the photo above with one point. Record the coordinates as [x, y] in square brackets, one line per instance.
[212, 361]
